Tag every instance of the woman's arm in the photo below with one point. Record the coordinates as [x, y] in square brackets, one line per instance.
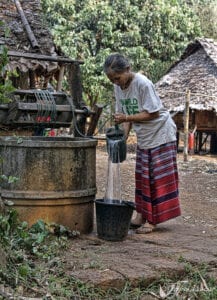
[139, 117]
[127, 127]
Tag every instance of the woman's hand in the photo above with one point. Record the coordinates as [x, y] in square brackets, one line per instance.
[120, 118]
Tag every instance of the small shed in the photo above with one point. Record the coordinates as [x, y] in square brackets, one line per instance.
[30, 45]
[196, 72]
[40, 65]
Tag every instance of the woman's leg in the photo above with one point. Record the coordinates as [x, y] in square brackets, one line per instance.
[163, 203]
[157, 186]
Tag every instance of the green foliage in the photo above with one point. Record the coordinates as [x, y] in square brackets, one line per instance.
[6, 86]
[11, 227]
[207, 13]
[8, 179]
[152, 33]
[24, 245]
[8, 223]
[170, 25]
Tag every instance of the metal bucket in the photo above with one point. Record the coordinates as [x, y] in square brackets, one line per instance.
[57, 179]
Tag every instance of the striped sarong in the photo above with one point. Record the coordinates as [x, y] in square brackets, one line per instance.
[156, 186]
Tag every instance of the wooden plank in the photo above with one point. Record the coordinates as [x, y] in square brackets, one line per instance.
[43, 107]
[206, 119]
[4, 106]
[34, 107]
[45, 124]
[37, 56]
[94, 119]
[32, 92]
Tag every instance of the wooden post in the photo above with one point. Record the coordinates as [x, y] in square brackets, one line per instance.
[30, 34]
[213, 143]
[186, 125]
[32, 83]
[60, 78]
[177, 140]
[200, 141]
[75, 86]
[94, 119]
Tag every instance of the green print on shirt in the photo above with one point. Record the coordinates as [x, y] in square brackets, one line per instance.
[130, 106]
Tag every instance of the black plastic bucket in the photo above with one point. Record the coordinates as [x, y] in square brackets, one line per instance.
[113, 219]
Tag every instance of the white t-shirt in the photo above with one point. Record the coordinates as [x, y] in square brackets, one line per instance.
[141, 96]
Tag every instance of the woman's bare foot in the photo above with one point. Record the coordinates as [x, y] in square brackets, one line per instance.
[137, 221]
[146, 228]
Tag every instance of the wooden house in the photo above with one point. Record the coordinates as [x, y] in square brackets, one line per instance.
[196, 72]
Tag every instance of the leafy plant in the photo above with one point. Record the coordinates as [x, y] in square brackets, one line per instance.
[151, 33]
[8, 179]
[25, 245]
[8, 223]
[207, 13]
[35, 266]
[6, 86]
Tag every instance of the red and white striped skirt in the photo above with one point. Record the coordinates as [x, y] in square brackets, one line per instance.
[156, 190]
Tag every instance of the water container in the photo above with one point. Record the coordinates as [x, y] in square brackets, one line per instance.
[116, 144]
[113, 219]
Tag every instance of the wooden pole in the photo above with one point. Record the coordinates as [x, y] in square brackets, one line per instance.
[94, 119]
[60, 78]
[75, 85]
[186, 125]
[28, 29]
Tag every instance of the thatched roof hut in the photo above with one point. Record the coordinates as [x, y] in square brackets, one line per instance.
[195, 71]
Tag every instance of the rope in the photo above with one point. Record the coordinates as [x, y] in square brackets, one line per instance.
[75, 123]
[46, 106]
[51, 104]
[47, 112]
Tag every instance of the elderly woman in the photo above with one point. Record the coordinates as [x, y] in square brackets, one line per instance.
[156, 176]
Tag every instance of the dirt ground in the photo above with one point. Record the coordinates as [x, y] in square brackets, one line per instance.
[198, 183]
[191, 237]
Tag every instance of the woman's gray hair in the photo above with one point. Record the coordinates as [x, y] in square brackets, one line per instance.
[116, 63]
